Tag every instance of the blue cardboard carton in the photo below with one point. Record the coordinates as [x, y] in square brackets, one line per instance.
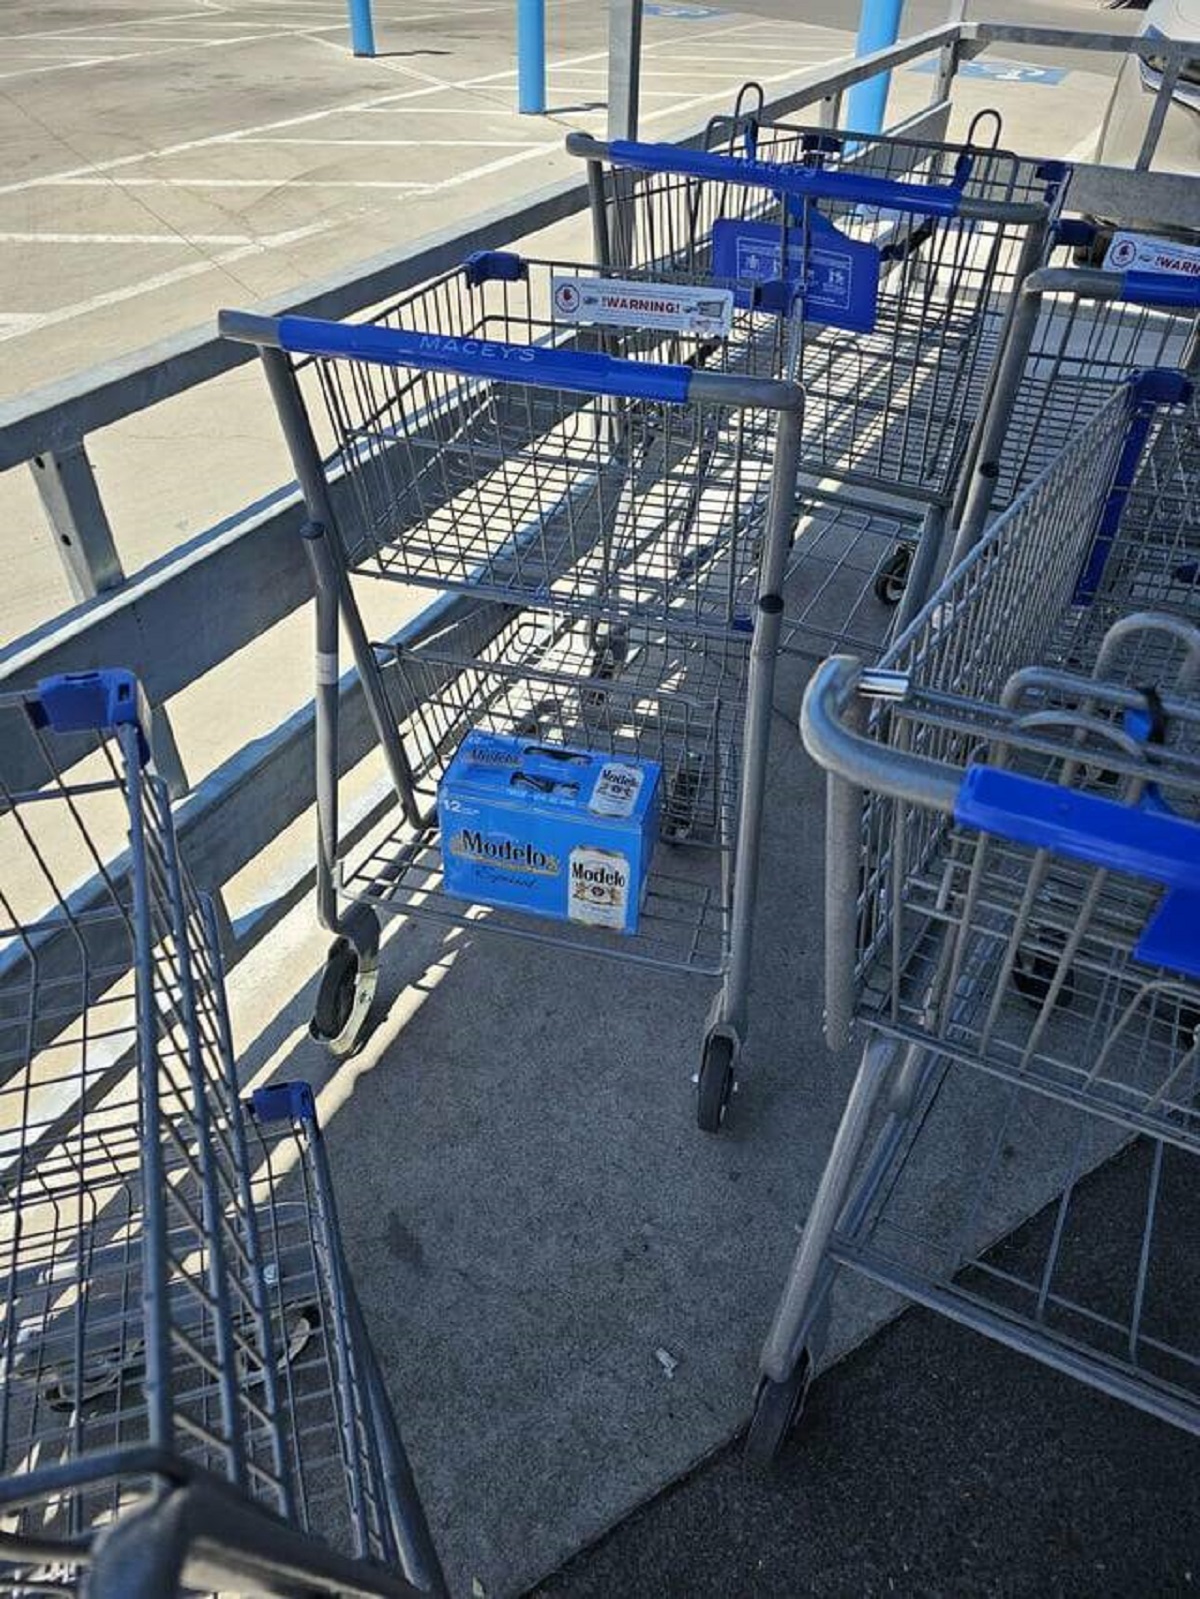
[549, 829]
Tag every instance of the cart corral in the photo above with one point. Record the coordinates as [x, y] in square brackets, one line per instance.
[615, 497]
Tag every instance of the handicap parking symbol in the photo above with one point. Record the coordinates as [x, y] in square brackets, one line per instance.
[1002, 71]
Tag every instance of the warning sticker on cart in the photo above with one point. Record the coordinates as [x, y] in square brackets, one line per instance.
[618, 303]
[1145, 253]
[840, 276]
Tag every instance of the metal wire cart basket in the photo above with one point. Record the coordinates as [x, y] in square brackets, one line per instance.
[1011, 889]
[606, 512]
[162, 1419]
[894, 264]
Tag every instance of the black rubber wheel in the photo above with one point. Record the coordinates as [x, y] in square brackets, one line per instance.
[778, 1407]
[714, 1086]
[335, 996]
[892, 577]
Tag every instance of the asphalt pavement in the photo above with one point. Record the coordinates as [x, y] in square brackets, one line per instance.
[932, 1462]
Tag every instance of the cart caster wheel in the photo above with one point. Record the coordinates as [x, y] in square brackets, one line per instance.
[714, 1086]
[892, 577]
[347, 988]
[778, 1407]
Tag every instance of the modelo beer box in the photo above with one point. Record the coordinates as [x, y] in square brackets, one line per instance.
[548, 829]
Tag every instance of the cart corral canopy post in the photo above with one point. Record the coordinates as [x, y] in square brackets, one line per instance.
[878, 27]
[531, 57]
[362, 32]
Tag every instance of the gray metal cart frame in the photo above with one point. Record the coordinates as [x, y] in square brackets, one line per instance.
[1012, 847]
[151, 1429]
[638, 512]
[895, 399]
[1076, 332]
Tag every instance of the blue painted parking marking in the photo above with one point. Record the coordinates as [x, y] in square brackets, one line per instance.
[1002, 71]
[682, 13]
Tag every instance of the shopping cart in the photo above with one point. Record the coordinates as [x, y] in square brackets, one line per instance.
[609, 531]
[149, 1429]
[899, 272]
[1076, 333]
[1013, 865]
[979, 164]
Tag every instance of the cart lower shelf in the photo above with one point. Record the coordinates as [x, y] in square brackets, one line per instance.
[682, 924]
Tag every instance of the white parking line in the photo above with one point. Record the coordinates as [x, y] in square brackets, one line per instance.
[410, 144]
[474, 110]
[209, 141]
[167, 50]
[184, 239]
[133, 22]
[434, 187]
[239, 183]
[31, 322]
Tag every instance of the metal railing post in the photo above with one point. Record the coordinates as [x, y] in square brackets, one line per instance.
[624, 67]
[83, 537]
[878, 27]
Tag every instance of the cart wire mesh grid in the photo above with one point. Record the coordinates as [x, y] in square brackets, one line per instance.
[1057, 993]
[133, 1309]
[605, 505]
[1081, 350]
[893, 405]
[173, 1296]
[615, 687]
[1037, 969]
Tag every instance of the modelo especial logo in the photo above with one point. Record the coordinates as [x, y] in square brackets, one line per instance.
[472, 845]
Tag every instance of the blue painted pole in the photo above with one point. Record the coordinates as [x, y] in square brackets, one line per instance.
[878, 26]
[362, 34]
[531, 57]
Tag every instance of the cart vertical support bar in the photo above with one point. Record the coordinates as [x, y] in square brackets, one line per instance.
[306, 459]
[759, 711]
[779, 1350]
[843, 888]
[1158, 112]
[599, 208]
[325, 718]
[320, 1190]
[362, 30]
[624, 67]
[204, 1155]
[157, 1384]
[1004, 379]
[981, 472]
[531, 57]
[924, 566]
[280, 1460]
[878, 27]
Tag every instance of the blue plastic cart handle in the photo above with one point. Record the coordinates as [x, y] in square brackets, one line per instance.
[98, 702]
[1166, 291]
[806, 183]
[1085, 827]
[580, 371]
[1143, 842]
